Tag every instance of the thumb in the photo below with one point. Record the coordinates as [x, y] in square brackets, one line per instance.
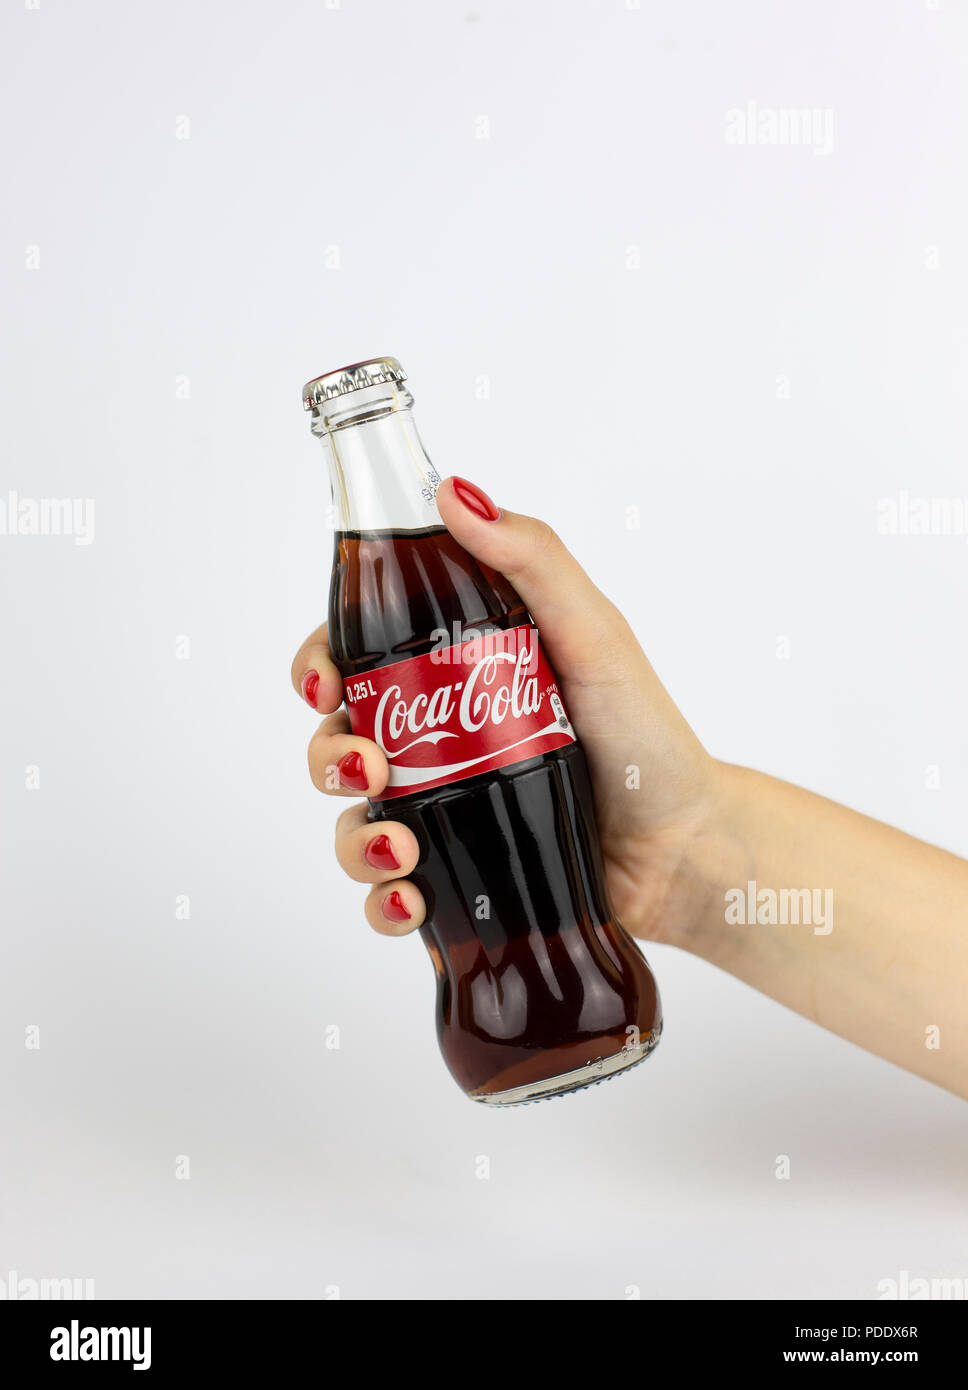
[577, 622]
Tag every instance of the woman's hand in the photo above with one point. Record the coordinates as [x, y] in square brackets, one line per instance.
[655, 786]
[885, 963]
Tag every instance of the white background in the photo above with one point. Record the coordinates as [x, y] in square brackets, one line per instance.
[508, 258]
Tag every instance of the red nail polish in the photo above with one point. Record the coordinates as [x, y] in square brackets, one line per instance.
[309, 685]
[379, 854]
[393, 908]
[475, 500]
[352, 773]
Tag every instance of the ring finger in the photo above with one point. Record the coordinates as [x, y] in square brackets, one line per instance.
[374, 851]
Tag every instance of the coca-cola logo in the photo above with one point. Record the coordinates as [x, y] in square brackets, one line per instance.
[488, 702]
[489, 694]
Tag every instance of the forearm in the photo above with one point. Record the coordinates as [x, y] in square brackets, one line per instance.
[883, 958]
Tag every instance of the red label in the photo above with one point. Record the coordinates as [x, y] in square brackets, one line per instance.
[459, 711]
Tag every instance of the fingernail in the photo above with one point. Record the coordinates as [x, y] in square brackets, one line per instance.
[475, 500]
[352, 773]
[309, 685]
[393, 909]
[379, 854]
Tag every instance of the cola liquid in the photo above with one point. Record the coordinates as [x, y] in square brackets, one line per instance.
[539, 990]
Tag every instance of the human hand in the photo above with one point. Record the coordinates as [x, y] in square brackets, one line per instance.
[655, 786]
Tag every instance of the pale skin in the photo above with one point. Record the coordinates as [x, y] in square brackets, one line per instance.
[892, 973]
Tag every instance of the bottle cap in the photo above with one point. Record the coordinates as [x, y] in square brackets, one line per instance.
[376, 371]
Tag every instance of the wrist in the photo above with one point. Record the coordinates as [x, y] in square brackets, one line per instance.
[716, 856]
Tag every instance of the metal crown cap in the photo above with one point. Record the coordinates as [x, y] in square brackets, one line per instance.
[376, 371]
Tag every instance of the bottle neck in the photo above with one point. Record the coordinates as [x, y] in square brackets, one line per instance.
[381, 477]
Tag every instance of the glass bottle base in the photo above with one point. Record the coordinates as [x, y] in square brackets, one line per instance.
[601, 1069]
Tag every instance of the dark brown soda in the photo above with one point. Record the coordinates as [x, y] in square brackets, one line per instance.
[534, 977]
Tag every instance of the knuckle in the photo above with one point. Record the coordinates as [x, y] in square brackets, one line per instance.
[543, 539]
[320, 759]
[347, 862]
[335, 723]
[346, 823]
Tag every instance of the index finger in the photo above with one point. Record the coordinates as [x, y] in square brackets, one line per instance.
[314, 676]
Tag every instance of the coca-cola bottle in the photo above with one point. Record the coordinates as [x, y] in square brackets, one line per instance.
[539, 989]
